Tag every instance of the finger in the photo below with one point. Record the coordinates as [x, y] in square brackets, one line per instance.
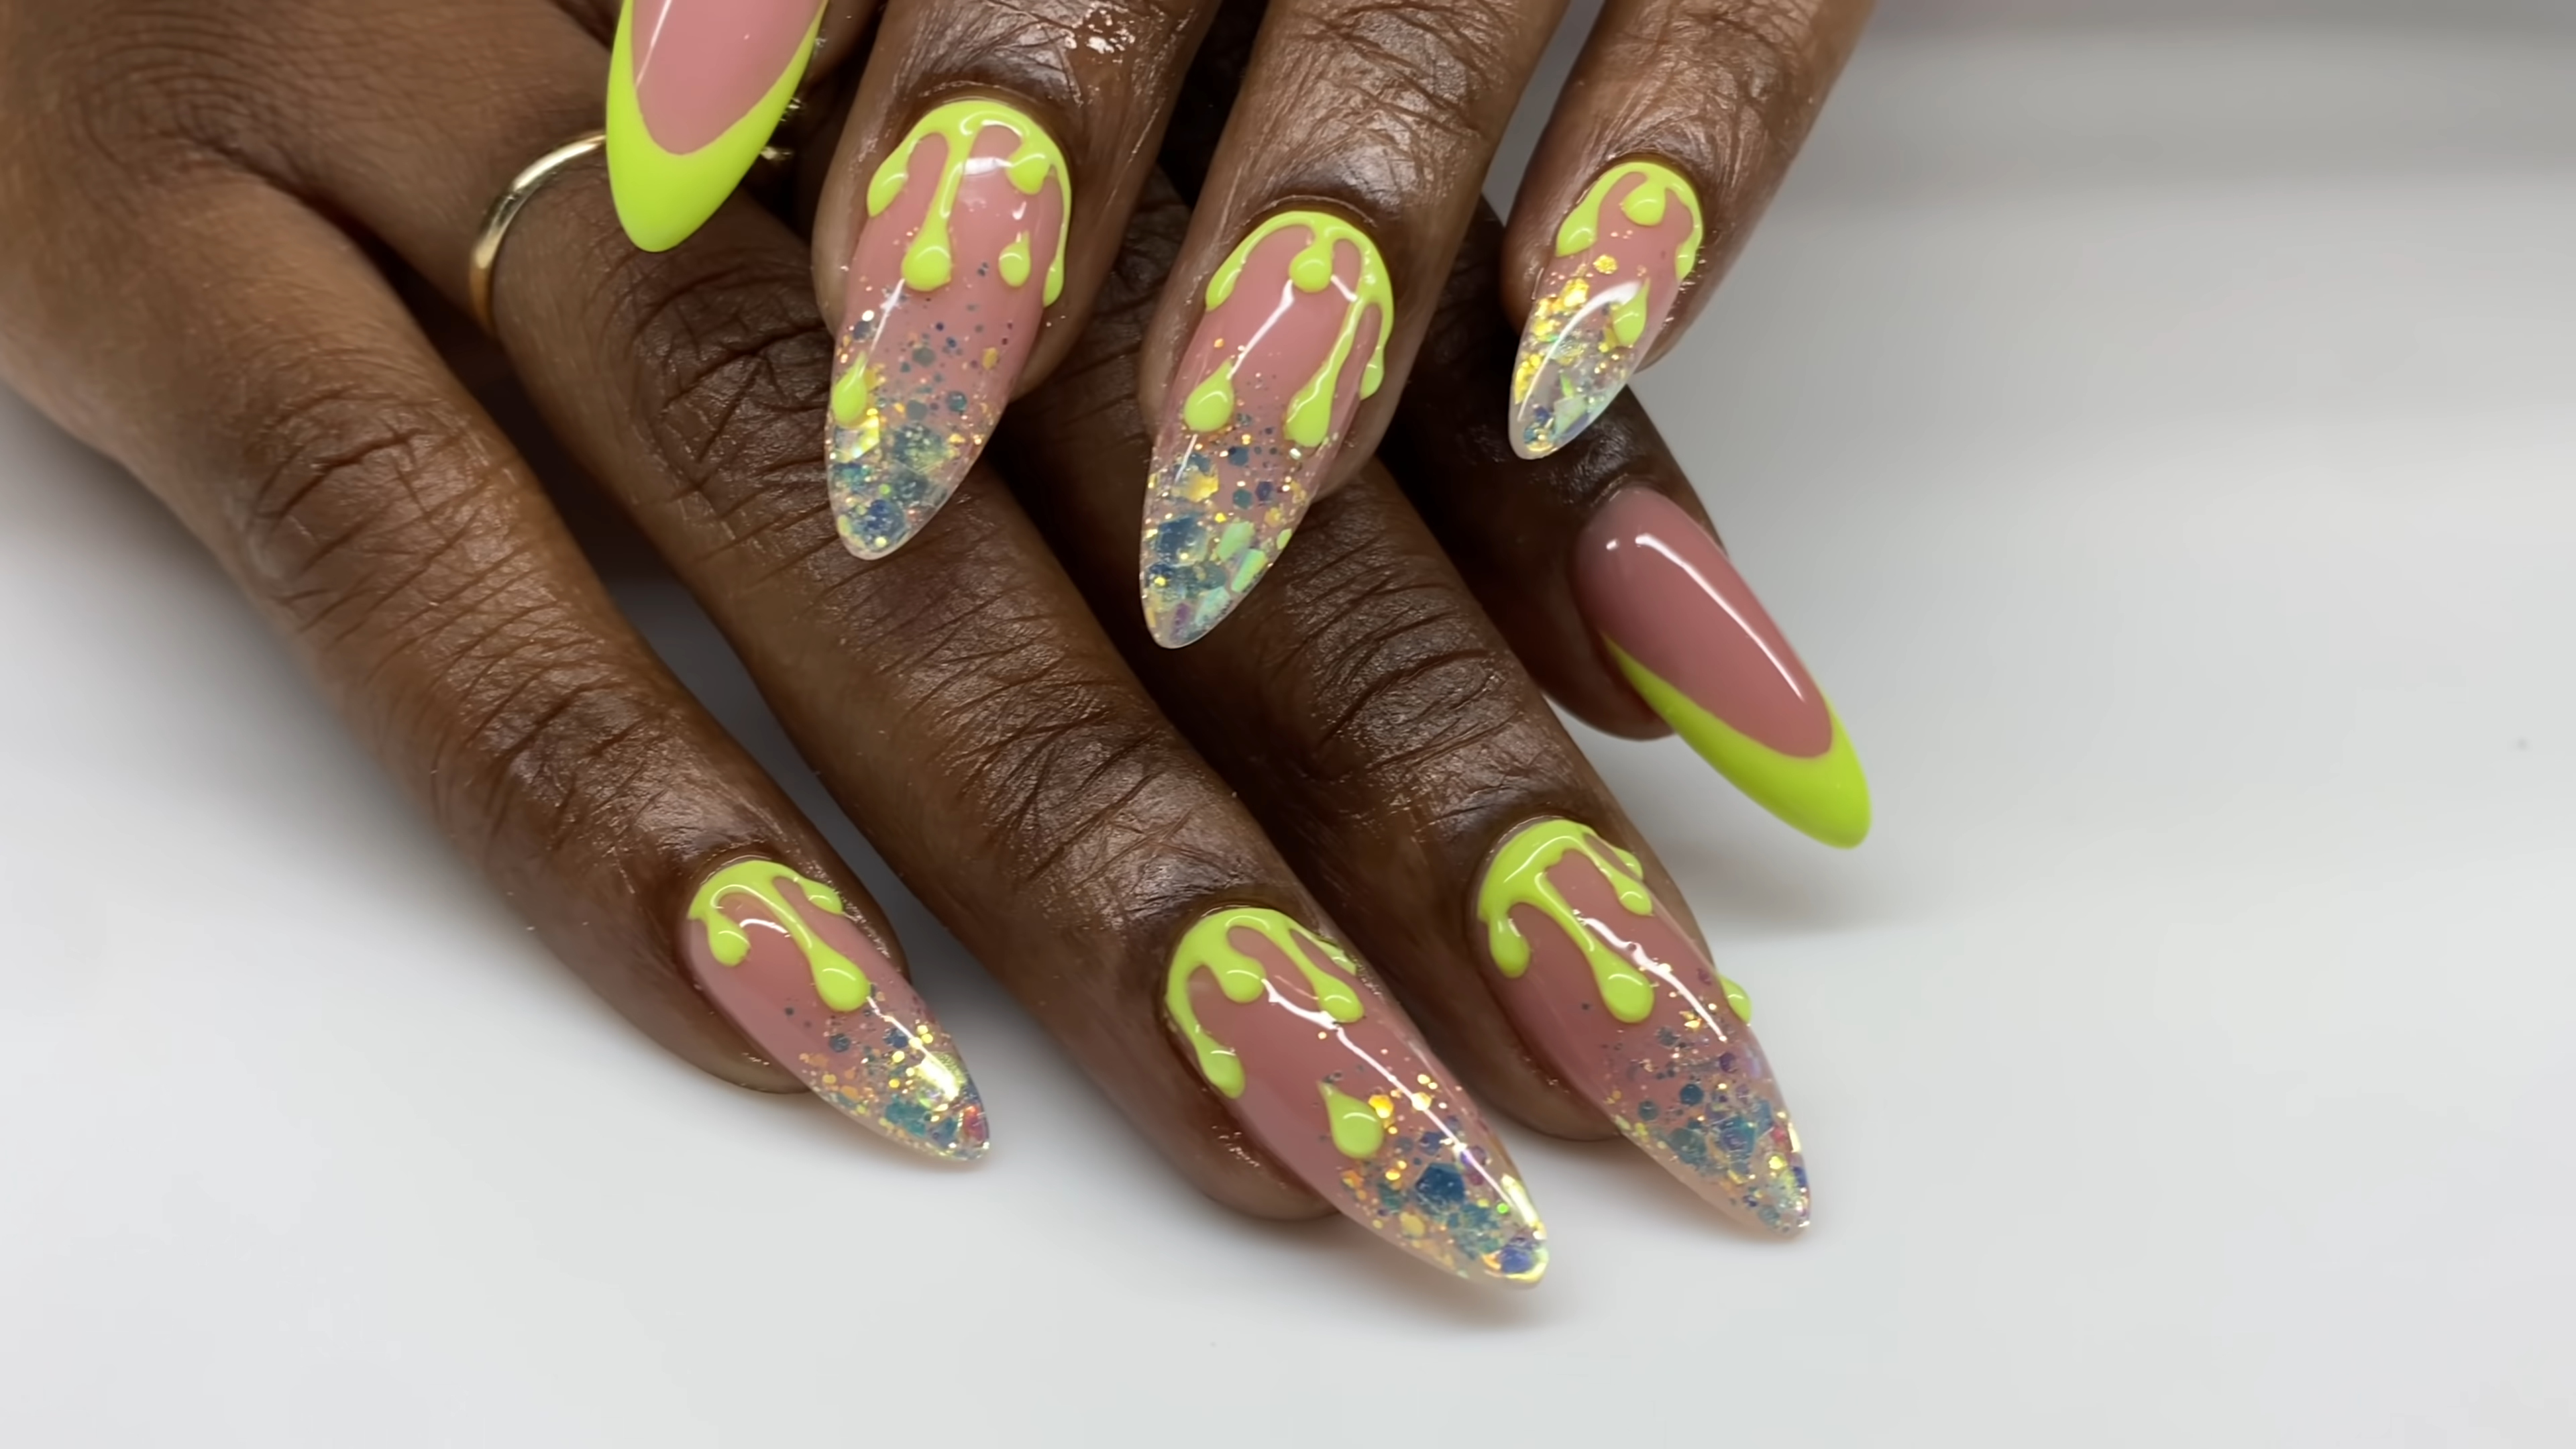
[957, 701]
[1675, 129]
[1379, 729]
[1599, 564]
[954, 247]
[1346, 173]
[302, 427]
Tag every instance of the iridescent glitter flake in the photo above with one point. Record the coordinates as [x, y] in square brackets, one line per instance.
[1621, 257]
[1324, 1073]
[778, 954]
[1606, 986]
[1259, 411]
[944, 307]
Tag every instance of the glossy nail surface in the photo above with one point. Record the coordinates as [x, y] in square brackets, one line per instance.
[1621, 257]
[695, 89]
[1698, 647]
[1293, 337]
[950, 279]
[1321, 1069]
[1609, 990]
[774, 951]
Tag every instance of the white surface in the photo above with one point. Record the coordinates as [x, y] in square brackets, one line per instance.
[2162, 444]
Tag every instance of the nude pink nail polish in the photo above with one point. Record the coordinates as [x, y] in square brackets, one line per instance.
[1700, 648]
[1607, 988]
[703, 65]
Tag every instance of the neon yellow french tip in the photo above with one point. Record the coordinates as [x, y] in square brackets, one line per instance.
[695, 90]
[1824, 795]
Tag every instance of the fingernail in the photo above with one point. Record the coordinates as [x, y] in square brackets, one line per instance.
[695, 88]
[1609, 990]
[1621, 257]
[952, 274]
[1699, 648]
[775, 952]
[1323, 1072]
[1293, 337]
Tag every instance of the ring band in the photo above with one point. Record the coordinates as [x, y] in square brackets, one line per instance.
[505, 209]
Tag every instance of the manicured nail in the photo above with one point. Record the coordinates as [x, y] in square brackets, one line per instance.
[775, 952]
[1322, 1070]
[1605, 985]
[695, 88]
[962, 252]
[1698, 647]
[1294, 336]
[1621, 257]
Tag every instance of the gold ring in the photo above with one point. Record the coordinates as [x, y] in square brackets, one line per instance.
[505, 209]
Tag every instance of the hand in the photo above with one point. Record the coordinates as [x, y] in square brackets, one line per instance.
[994, 153]
[195, 308]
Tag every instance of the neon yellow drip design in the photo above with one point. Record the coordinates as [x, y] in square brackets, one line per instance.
[837, 978]
[927, 260]
[1644, 205]
[1210, 405]
[1358, 1130]
[1518, 877]
[1208, 946]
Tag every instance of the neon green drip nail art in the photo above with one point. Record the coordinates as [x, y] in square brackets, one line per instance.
[927, 262]
[837, 979]
[1241, 977]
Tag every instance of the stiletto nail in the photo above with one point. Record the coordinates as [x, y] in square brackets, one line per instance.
[961, 255]
[1621, 257]
[1696, 644]
[1259, 407]
[1324, 1072]
[774, 951]
[1607, 988]
[695, 87]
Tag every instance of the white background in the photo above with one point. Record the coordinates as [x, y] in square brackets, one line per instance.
[2161, 439]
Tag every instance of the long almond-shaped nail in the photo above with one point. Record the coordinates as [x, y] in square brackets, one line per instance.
[1323, 1071]
[695, 87]
[1293, 337]
[1696, 644]
[1621, 257]
[1605, 986]
[775, 952]
[951, 277]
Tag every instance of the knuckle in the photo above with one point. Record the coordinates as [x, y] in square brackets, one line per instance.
[1408, 697]
[734, 370]
[391, 543]
[1756, 77]
[1423, 82]
[1081, 793]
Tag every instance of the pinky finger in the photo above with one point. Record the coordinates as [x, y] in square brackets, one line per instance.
[1679, 121]
[375, 515]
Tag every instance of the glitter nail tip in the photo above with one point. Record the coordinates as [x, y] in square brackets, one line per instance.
[776, 953]
[1621, 257]
[1294, 336]
[1607, 988]
[1324, 1072]
[949, 284]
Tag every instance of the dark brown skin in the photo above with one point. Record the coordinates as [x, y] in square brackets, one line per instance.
[197, 295]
